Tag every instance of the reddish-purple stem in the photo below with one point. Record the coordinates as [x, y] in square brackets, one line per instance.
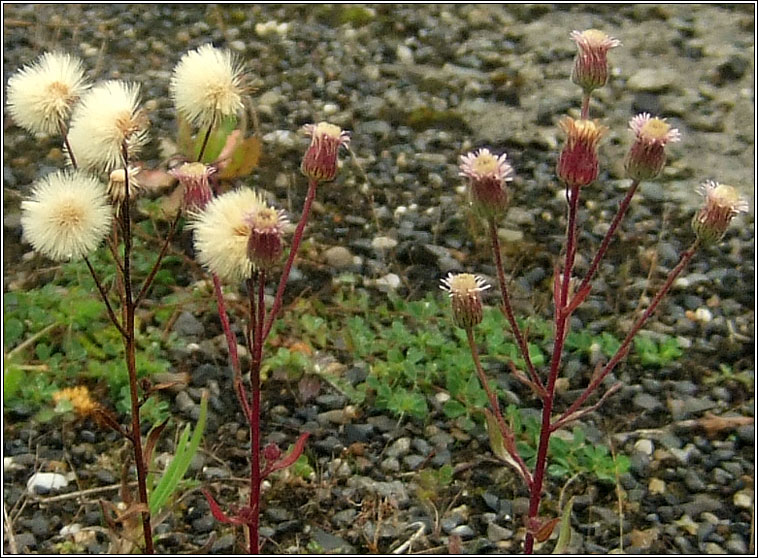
[131, 364]
[298, 236]
[508, 309]
[626, 344]
[231, 342]
[623, 206]
[508, 438]
[255, 415]
[561, 328]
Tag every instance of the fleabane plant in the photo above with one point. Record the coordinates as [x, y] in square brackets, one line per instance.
[578, 167]
[240, 238]
[72, 212]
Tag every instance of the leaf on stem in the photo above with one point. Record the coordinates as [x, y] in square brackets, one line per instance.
[152, 439]
[564, 535]
[218, 513]
[288, 459]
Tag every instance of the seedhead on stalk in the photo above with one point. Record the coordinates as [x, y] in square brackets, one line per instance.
[67, 216]
[207, 86]
[40, 95]
[105, 123]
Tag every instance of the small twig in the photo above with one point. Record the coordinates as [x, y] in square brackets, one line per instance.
[407, 544]
[78, 493]
[31, 340]
[104, 296]
[9, 531]
[156, 266]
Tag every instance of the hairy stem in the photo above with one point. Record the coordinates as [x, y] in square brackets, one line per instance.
[131, 365]
[508, 309]
[296, 239]
[508, 438]
[231, 343]
[561, 329]
[626, 344]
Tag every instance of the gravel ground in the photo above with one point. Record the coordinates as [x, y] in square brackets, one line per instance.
[418, 86]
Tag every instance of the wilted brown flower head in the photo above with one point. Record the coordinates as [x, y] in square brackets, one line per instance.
[320, 160]
[722, 203]
[194, 179]
[265, 245]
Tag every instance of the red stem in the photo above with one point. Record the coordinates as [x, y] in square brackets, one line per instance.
[626, 345]
[623, 206]
[231, 342]
[561, 328]
[508, 310]
[255, 431]
[291, 258]
[131, 366]
[508, 438]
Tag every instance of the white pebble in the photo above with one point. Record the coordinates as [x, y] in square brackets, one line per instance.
[383, 243]
[46, 481]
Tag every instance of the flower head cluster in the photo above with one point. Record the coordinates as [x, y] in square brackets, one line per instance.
[207, 85]
[194, 178]
[67, 216]
[591, 62]
[320, 160]
[40, 96]
[465, 294]
[222, 231]
[107, 119]
[80, 400]
[722, 203]
[487, 177]
[578, 163]
[265, 245]
[647, 156]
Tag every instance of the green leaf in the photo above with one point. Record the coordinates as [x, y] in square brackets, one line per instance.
[564, 534]
[13, 378]
[14, 330]
[185, 451]
[453, 408]
[496, 437]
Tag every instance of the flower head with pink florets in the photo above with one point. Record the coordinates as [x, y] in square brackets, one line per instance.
[488, 176]
[591, 62]
[647, 155]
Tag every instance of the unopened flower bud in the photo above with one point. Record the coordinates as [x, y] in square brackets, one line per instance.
[465, 294]
[117, 186]
[487, 177]
[578, 164]
[722, 203]
[647, 155]
[264, 244]
[194, 179]
[320, 160]
[591, 62]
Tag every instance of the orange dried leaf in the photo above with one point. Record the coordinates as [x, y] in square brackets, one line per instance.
[244, 159]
